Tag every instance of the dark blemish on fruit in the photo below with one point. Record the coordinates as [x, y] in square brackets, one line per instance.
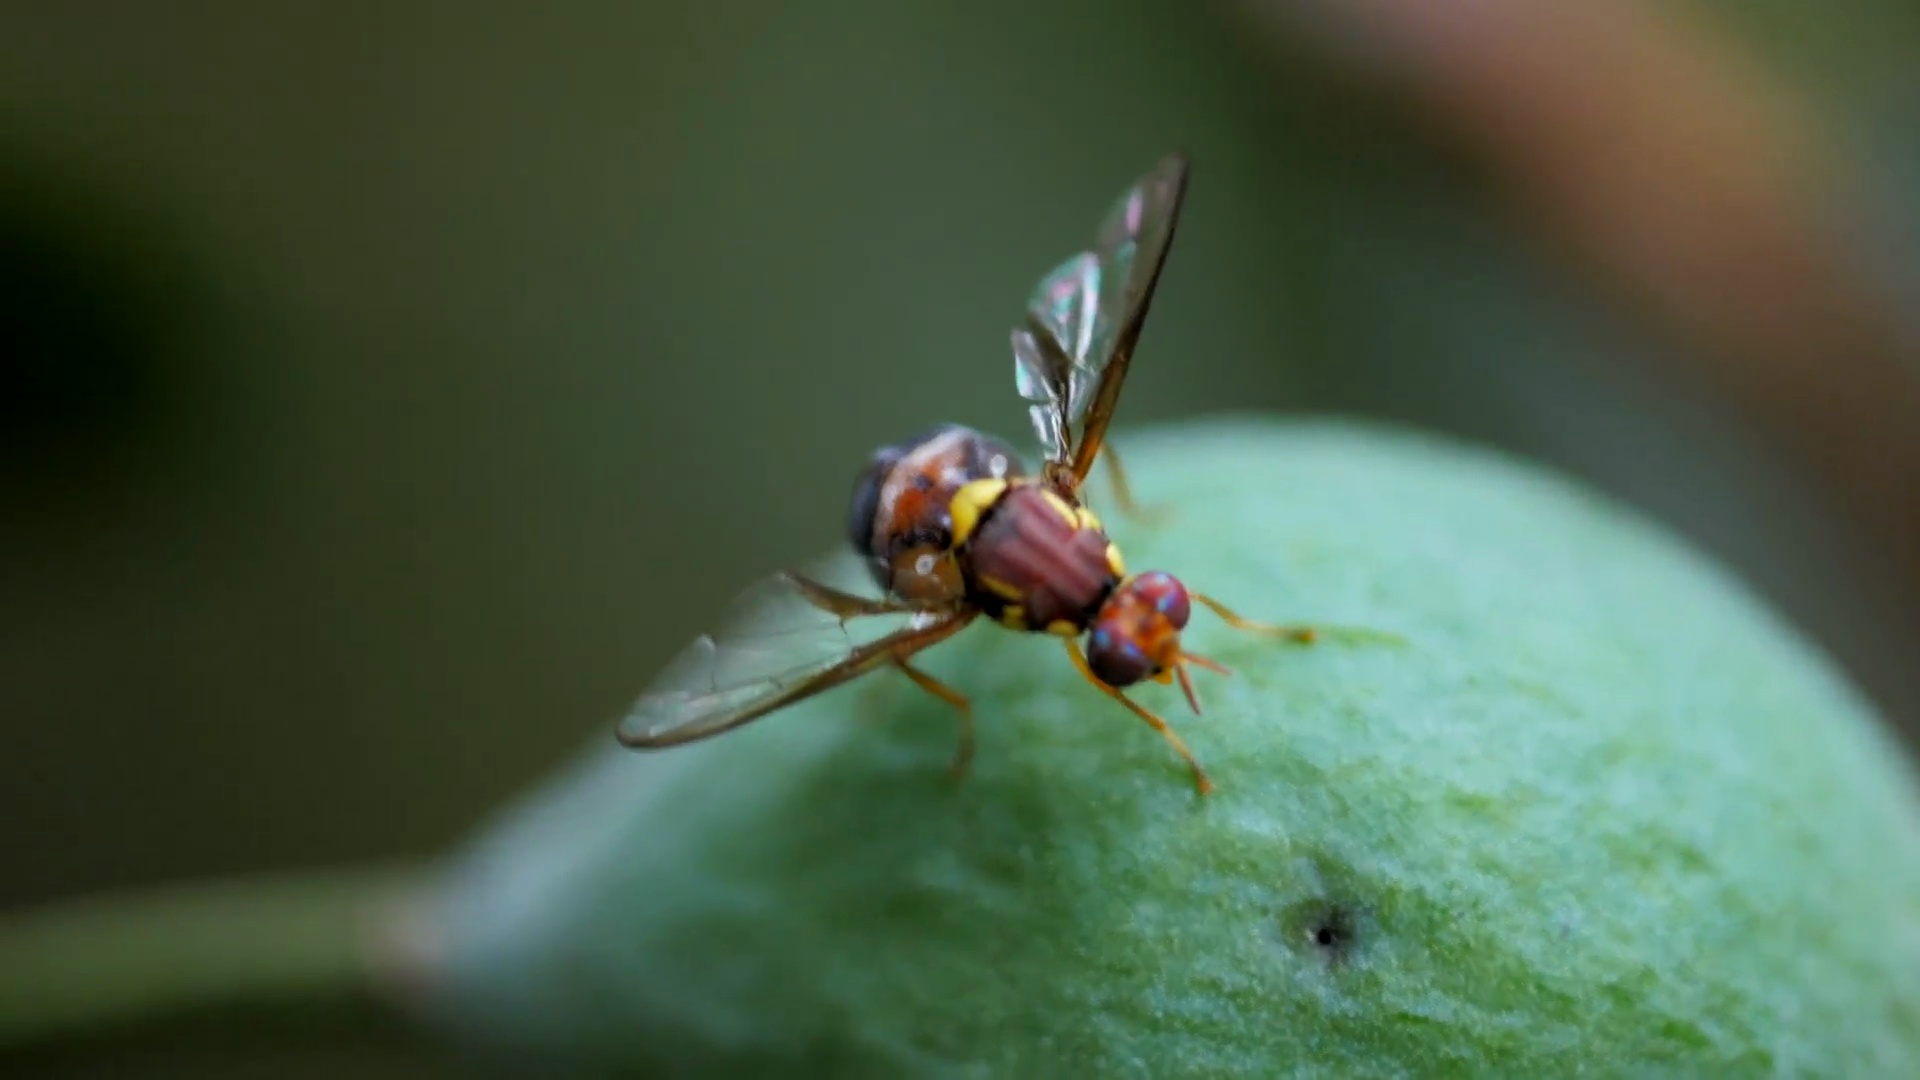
[1327, 930]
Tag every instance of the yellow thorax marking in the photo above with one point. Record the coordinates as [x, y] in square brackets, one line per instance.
[1114, 562]
[1063, 628]
[1000, 588]
[1014, 617]
[1061, 507]
[971, 501]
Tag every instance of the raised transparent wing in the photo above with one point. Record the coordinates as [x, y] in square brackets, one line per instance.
[785, 639]
[1084, 318]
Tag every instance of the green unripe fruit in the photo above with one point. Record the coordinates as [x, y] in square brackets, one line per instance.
[1600, 811]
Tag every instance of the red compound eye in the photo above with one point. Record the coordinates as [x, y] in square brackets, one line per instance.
[1116, 657]
[1166, 594]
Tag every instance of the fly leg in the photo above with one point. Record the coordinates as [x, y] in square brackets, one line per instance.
[846, 605]
[1303, 635]
[1123, 492]
[1300, 633]
[962, 757]
[1200, 779]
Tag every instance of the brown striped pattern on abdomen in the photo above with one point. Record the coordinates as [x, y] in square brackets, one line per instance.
[1027, 554]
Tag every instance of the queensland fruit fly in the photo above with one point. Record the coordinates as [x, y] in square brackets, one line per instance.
[953, 527]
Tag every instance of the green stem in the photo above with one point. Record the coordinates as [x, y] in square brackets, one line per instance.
[85, 964]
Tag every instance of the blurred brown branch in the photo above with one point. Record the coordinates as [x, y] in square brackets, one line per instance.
[1690, 183]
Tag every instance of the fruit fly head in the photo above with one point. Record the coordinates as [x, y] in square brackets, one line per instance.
[1136, 634]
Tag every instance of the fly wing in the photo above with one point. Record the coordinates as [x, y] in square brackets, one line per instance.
[1060, 325]
[784, 640]
[1084, 318]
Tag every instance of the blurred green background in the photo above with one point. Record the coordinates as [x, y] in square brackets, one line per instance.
[391, 388]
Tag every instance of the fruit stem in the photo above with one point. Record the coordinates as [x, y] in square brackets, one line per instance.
[152, 953]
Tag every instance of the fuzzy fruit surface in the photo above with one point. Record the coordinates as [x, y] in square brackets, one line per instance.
[1601, 811]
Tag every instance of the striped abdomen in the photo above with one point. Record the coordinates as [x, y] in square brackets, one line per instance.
[1032, 560]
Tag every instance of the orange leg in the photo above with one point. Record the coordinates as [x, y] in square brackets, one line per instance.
[1197, 660]
[1302, 634]
[1200, 779]
[1123, 492]
[1186, 687]
[1299, 634]
[963, 757]
[846, 605]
